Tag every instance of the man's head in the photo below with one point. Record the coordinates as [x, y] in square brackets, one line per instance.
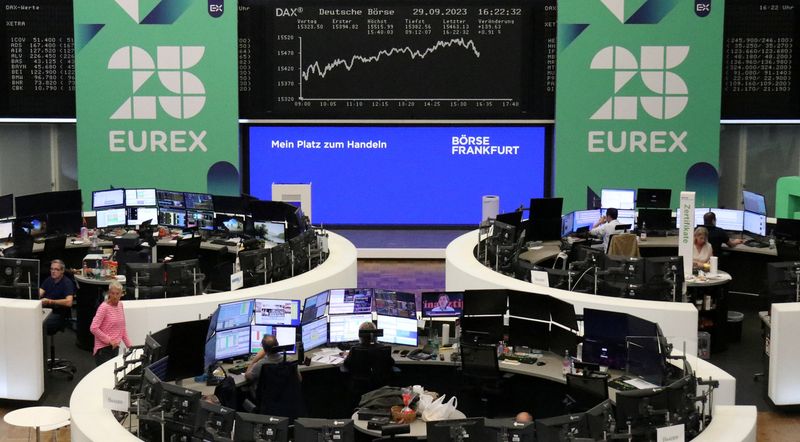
[443, 301]
[268, 343]
[523, 417]
[710, 219]
[366, 338]
[611, 213]
[57, 269]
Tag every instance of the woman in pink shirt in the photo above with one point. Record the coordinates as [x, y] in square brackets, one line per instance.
[108, 326]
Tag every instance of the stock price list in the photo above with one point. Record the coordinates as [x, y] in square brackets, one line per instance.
[38, 63]
[389, 60]
[761, 60]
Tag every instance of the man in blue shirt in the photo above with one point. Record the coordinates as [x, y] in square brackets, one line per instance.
[56, 292]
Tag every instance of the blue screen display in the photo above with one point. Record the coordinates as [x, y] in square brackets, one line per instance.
[400, 175]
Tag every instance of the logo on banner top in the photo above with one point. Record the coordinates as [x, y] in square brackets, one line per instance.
[654, 69]
[171, 67]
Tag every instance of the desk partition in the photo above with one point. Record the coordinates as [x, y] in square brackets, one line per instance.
[21, 349]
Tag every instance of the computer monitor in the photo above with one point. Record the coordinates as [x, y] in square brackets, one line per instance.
[284, 336]
[728, 219]
[482, 329]
[315, 307]
[455, 430]
[511, 218]
[234, 205]
[168, 199]
[234, 314]
[66, 223]
[562, 428]
[624, 216]
[252, 427]
[585, 218]
[344, 328]
[19, 278]
[654, 219]
[604, 335]
[755, 223]
[272, 231]
[562, 340]
[7, 206]
[103, 199]
[150, 388]
[442, 304]
[214, 421]
[111, 217]
[699, 212]
[567, 224]
[6, 230]
[350, 301]
[140, 198]
[180, 403]
[646, 358]
[528, 305]
[544, 222]
[171, 217]
[509, 430]
[315, 334]
[34, 226]
[545, 207]
[186, 349]
[229, 223]
[653, 198]
[277, 312]
[196, 219]
[782, 280]
[315, 430]
[392, 303]
[754, 202]
[135, 216]
[528, 333]
[788, 229]
[198, 201]
[485, 302]
[397, 330]
[599, 419]
[231, 343]
[641, 407]
[562, 313]
[617, 198]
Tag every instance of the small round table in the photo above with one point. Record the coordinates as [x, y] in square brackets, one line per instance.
[710, 297]
[418, 428]
[37, 417]
[711, 280]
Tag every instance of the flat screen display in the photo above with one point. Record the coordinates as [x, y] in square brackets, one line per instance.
[284, 335]
[7, 206]
[198, 201]
[585, 218]
[171, 217]
[111, 217]
[234, 314]
[229, 223]
[344, 328]
[624, 216]
[445, 304]
[232, 343]
[567, 224]
[108, 198]
[399, 331]
[140, 197]
[277, 312]
[728, 219]
[315, 307]
[138, 215]
[755, 223]
[699, 212]
[6, 229]
[272, 231]
[170, 200]
[315, 334]
[334, 158]
[201, 220]
[391, 303]
[754, 202]
[350, 301]
[617, 198]
[653, 198]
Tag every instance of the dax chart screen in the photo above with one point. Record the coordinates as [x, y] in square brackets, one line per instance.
[391, 59]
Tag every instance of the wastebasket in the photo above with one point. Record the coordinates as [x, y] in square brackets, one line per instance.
[735, 326]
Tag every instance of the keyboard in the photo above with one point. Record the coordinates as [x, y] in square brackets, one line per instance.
[222, 242]
[755, 243]
[240, 369]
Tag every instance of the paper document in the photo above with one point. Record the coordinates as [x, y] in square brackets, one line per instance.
[328, 359]
[640, 383]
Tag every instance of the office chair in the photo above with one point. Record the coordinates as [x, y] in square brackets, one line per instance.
[281, 262]
[623, 244]
[481, 373]
[23, 245]
[585, 391]
[55, 365]
[279, 392]
[187, 248]
[369, 368]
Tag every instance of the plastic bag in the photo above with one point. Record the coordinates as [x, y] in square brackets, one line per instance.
[424, 400]
[439, 410]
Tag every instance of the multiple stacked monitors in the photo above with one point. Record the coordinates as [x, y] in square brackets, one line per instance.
[108, 198]
[617, 198]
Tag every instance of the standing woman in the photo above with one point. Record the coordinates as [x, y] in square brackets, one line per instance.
[108, 326]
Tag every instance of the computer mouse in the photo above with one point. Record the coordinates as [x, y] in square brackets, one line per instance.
[540, 363]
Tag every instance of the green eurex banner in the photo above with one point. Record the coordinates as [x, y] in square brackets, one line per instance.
[638, 97]
[157, 95]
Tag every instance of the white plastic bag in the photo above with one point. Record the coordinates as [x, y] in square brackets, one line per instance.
[439, 410]
[424, 401]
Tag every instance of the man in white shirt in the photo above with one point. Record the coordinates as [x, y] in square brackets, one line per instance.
[605, 227]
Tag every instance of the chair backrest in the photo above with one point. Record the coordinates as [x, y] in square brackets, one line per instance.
[371, 365]
[623, 244]
[187, 248]
[587, 391]
[54, 247]
[279, 392]
[479, 360]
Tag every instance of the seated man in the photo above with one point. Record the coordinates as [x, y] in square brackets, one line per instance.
[716, 236]
[523, 417]
[267, 355]
[605, 227]
[56, 293]
[366, 342]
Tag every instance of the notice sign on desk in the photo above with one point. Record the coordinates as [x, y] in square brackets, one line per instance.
[116, 400]
[674, 433]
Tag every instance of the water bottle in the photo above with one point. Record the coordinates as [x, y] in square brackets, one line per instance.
[643, 233]
[435, 345]
[566, 367]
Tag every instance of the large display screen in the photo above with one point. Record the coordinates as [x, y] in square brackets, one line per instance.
[400, 175]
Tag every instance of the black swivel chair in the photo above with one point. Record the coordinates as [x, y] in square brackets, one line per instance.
[279, 392]
[23, 245]
[368, 368]
[55, 365]
[585, 391]
[481, 373]
[187, 248]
